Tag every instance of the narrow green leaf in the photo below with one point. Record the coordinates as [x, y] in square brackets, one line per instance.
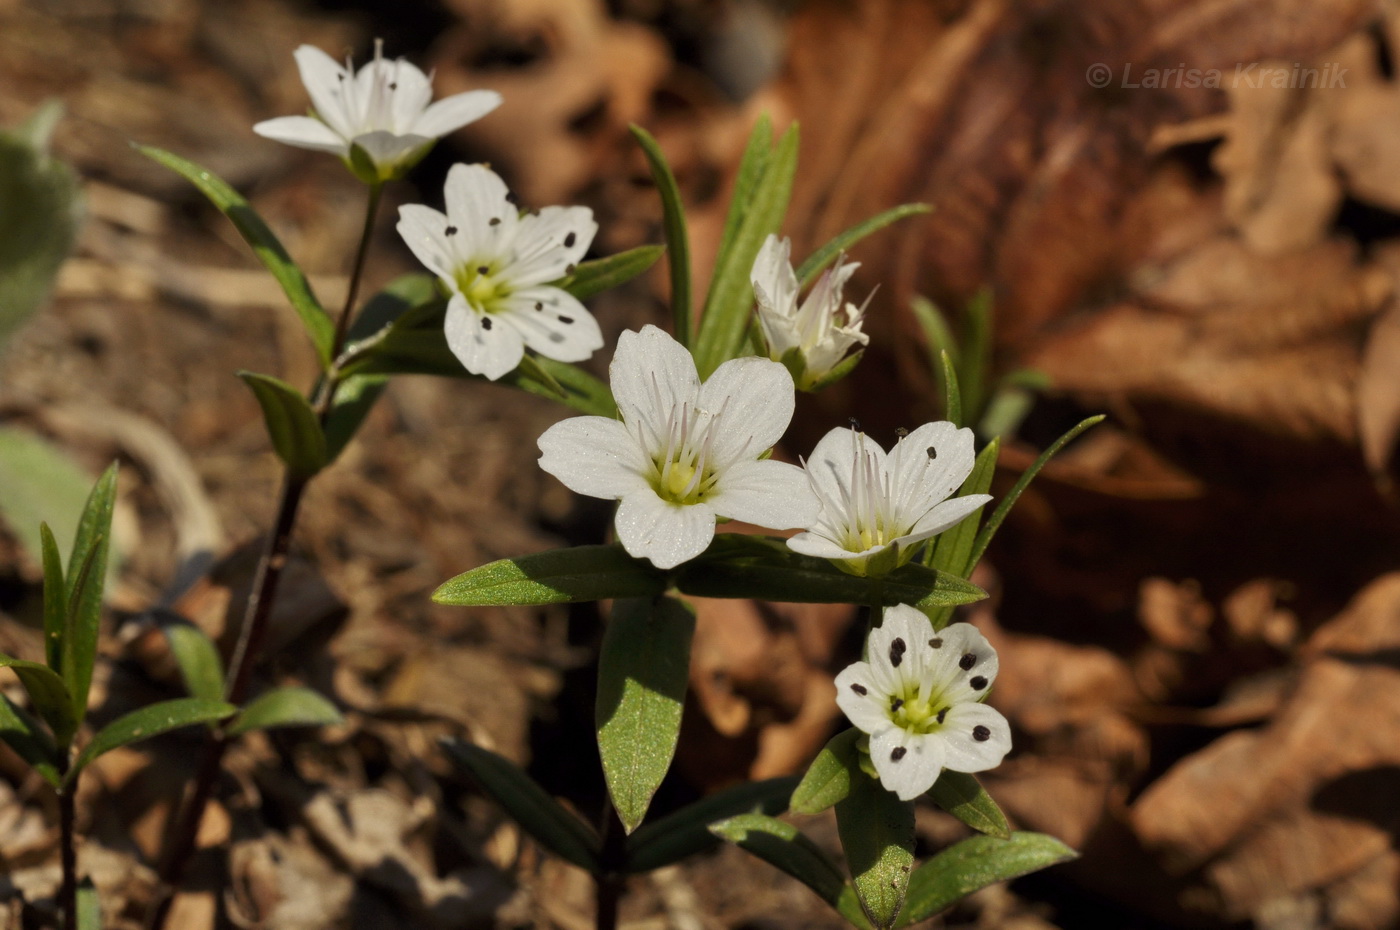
[55, 600]
[989, 529]
[602, 274]
[728, 306]
[526, 802]
[950, 550]
[559, 576]
[642, 675]
[838, 371]
[828, 778]
[686, 832]
[752, 165]
[963, 796]
[952, 393]
[1011, 402]
[937, 333]
[399, 303]
[285, 707]
[977, 353]
[827, 254]
[355, 397]
[48, 694]
[531, 368]
[292, 425]
[39, 482]
[975, 863]
[89, 906]
[149, 721]
[30, 741]
[87, 572]
[784, 846]
[266, 246]
[766, 570]
[197, 658]
[877, 835]
[677, 239]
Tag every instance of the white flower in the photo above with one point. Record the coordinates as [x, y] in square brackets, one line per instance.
[384, 109]
[810, 339]
[918, 698]
[875, 508]
[496, 263]
[684, 452]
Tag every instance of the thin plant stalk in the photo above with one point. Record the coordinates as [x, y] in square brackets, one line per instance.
[68, 851]
[257, 612]
[609, 880]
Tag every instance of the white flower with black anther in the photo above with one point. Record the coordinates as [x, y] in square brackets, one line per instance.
[812, 338]
[385, 108]
[497, 264]
[877, 508]
[919, 697]
[683, 453]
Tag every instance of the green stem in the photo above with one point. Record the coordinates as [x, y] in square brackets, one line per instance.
[342, 325]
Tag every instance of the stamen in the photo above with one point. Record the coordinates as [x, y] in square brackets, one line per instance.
[932, 453]
[486, 322]
[898, 753]
[896, 704]
[941, 714]
[897, 649]
[569, 240]
[936, 642]
[566, 319]
[967, 661]
[978, 683]
[981, 733]
[859, 689]
[451, 230]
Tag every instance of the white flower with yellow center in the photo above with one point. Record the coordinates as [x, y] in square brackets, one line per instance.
[683, 453]
[385, 108]
[497, 264]
[877, 508]
[919, 697]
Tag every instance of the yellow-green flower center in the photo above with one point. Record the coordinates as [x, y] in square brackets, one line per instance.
[909, 713]
[477, 282]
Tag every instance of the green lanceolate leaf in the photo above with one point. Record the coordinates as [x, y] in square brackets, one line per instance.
[266, 246]
[39, 483]
[975, 369]
[677, 239]
[951, 550]
[989, 529]
[952, 394]
[877, 835]
[48, 694]
[785, 847]
[355, 397]
[149, 721]
[526, 802]
[285, 707]
[725, 322]
[87, 572]
[752, 165]
[55, 600]
[827, 254]
[603, 274]
[936, 330]
[766, 570]
[197, 658]
[559, 576]
[829, 777]
[89, 906]
[687, 832]
[963, 796]
[30, 741]
[975, 863]
[642, 676]
[402, 302]
[292, 425]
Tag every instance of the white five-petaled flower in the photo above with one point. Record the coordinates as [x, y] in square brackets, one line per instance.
[918, 696]
[810, 339]
[497, 264]
[683, 452]
[384, 108]
[876, 508]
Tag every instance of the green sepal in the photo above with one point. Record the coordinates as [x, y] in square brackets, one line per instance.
[197, 658]
[529, 805]
[85, 579]
[266, 246]
[963, 796]
[952, 393]
[877, 836]
[642, 675]
[975, 863]
[149, 721]
[285, 707]
[829, 777]
[601, 274]
[686, 832]
[818, 260]
[292, 425]
[30, 741]
[677, 240]
[558, 576]
[838, 371]
[49, 695]
[55, 600]
[786, 848]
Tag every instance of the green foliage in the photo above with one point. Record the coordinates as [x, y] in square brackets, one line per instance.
[952, 393]
[785, 847]
[149, 721]
[355, 397]
[559, 576]
[951, 550]
[975, 863]
[89, 906]
[677, 238]
[603, 274]
[829, 777]
[87, 571]
[266, 246]
[48, 694]
[642, 676]
[30, 741]
[963, 796]
[877, 836]
[686, 832]
[38, 483]
[292, 425]
[198, 659]
[526, 802]
[285, 707]
[55, 599]
[807, 272]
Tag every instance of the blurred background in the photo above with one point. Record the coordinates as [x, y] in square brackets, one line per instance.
[1182, 213]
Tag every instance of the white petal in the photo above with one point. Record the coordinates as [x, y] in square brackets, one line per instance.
[819, 546]
[949, 677]
[424, 231]
[869, 711]
[595, 456]
[947, 514]
[452, 113]
[483, 345]
[559, 329]
[410, 93]
[768, 493]
[475, 196]
[665, 533]
[916, 769]
[833, 461]
[303, 132]
[324, 80]
[900, 643]
[651, 375]
[549, 244]
[922, 481]
[756, 395]
[966, 753]
[386, 149]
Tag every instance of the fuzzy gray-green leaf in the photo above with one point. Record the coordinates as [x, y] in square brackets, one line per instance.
[285, 707]
[197, 658]
[828, 778]
[963, 796]
[292, 425]
[30, 741]
[601, 274]
[558, 576]
[975, 863]
[49, 695]
[784, 846]
[149, 721]
[686, 832]
[877, 836]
